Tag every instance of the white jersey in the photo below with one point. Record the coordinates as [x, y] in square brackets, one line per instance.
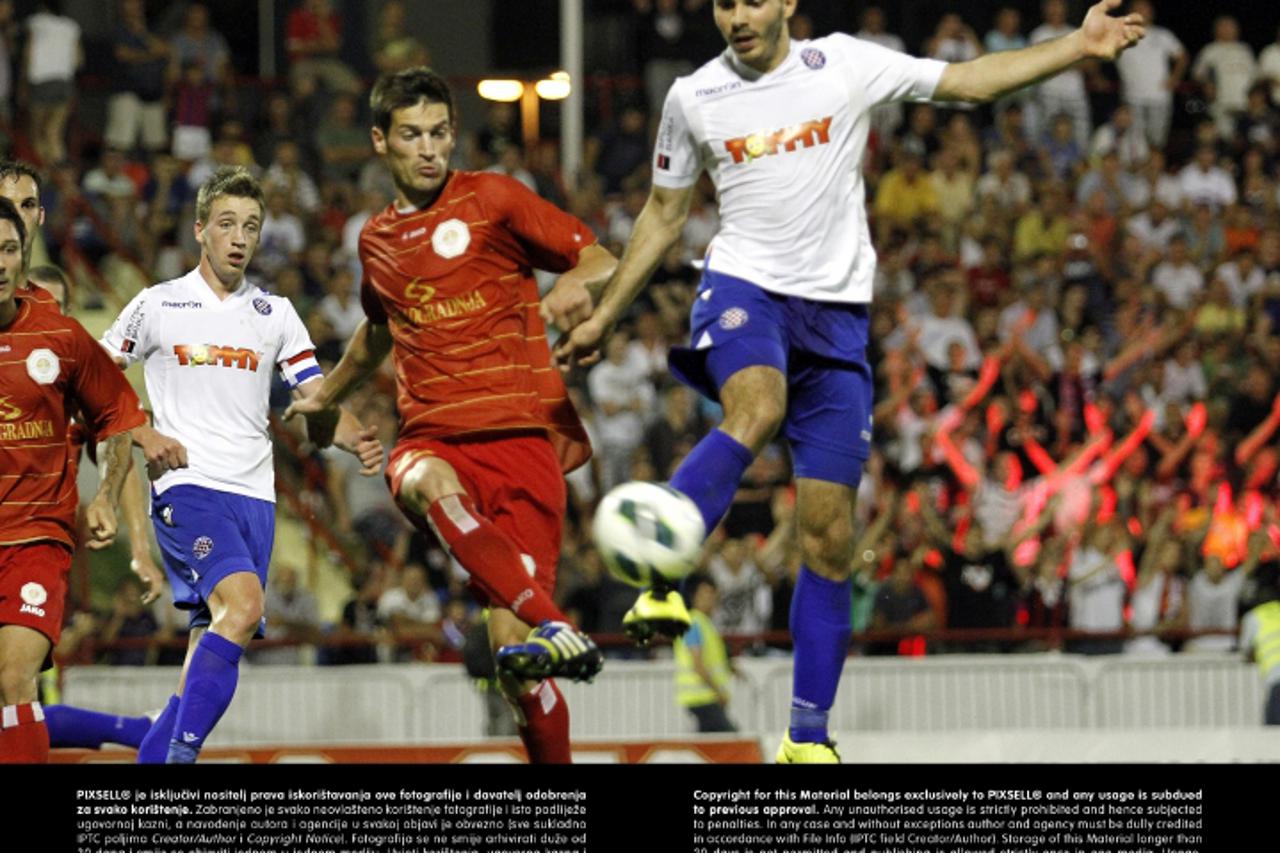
[208, 367]
[785, 150]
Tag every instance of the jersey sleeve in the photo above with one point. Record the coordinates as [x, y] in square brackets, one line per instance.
[887, 75]
[369, 299]
[551, 237]
[297, 358]
[107, 402]
[127, 338]
[676, 163]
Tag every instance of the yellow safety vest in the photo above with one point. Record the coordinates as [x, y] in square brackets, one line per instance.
[1266, 644]
[691, 690]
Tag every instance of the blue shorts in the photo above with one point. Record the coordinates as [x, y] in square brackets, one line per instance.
[819, 346]
[205, 535]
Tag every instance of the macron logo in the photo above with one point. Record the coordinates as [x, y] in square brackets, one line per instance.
[192, 303]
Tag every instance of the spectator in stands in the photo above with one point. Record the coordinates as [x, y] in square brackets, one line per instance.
[1043, 230]
[1159, 596]
[900, 604]
[394, 47]
[411, 611]
[1065, 92]
[313, 40]
[1097, 589]
[668, 37]
[1225, 69]
[620, 152]
[1122, 135]
[1121, 191]
[905, 195]
[341, 143]
[1010, 188]
[953, 183]
[360, 631]
[200, 43]
[1177, 278]
[1154, 227]
[1064, 155]
[282, 236]
[1269, 67]
[288, 174]
[621, 396]
[292, 614]
[52, 55]
[744, 599]
[1203, 181]
[129, 620]
[341, 302]
[277, 122]
[1149, 74]
[953, 40]
[137, 108]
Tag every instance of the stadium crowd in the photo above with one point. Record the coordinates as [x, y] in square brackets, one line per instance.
[1075, 330]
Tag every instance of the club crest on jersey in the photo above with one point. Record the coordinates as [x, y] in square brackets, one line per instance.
[734, 318]
[42, 366]
[261, 305]
[451, 238]
[202, 547]
[759, 144]
[813, 58]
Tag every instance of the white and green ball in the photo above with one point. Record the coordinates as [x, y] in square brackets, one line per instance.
[643, 529]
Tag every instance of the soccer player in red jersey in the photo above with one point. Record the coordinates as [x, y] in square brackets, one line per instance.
[20, 183]
[487, 430]
[47, 361]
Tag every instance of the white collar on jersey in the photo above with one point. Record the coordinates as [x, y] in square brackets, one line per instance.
[195, 281]
[748, 73]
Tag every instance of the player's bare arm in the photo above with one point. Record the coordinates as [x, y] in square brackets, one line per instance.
[161, 452]
[657, 228]
[1100, 36]
[570, 301]
[368, 348]
[133, 506]
[100, 517]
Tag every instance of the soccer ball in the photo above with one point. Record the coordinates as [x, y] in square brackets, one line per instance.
[648, 529]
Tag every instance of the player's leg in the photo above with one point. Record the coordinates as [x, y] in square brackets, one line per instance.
[431, 489]
[84, 729]
[154, 748]
[236, 605]
[829, 429]
[24, 739]
[542, 715]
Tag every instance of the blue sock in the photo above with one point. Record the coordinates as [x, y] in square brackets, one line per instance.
[77, 727]
[154, 748]
[710, 475]
[821, 624]
[211, 684]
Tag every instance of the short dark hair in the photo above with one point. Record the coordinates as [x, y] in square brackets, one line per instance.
[405, 89]
[11, 170]
[49, 274]
[10, 213]
[229, 180]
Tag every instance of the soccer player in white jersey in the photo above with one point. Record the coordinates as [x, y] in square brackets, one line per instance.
[210, 342]
[779, 326]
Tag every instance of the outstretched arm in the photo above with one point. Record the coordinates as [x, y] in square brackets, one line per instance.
[988, 77]
[1261, 434]
[657, 227]
[368, 347]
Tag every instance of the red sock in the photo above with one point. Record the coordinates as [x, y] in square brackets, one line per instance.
[24, 739]
[492, 559]
[546, 729]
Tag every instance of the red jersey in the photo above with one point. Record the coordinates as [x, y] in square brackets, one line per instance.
[39, 296]
[454, 283]
[49, 364]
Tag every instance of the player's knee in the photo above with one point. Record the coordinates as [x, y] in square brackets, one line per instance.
[754, 424]
[425, 483]
[826, 546]
[239, 618]
[17, 681]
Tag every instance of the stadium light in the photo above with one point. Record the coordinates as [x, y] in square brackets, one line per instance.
[555, 87]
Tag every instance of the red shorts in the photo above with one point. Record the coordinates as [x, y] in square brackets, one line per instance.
[33, 586]
[515, 482]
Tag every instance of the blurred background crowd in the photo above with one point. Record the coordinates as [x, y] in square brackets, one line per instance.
[1076, 327]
